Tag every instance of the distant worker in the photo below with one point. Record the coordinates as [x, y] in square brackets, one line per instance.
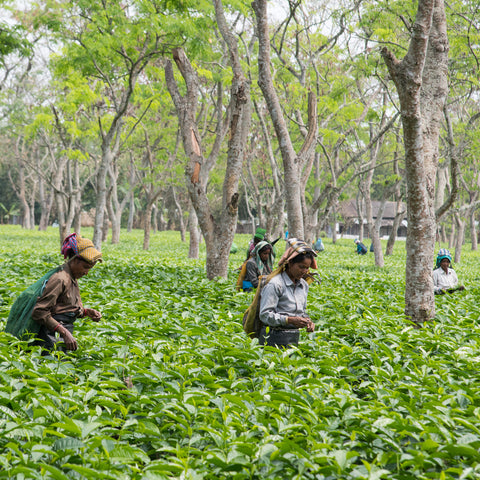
[259, 264]
[444, 277]
[318, 245]
[361, 248]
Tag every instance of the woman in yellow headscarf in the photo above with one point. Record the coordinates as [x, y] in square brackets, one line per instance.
[60, 304]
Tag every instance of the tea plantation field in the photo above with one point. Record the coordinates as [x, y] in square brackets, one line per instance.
[167, 385]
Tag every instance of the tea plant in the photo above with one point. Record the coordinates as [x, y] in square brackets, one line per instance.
[168, 386]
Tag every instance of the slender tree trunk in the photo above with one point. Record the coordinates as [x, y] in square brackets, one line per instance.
[20, 187]
[443, 234]
[32, 195]
[101, 197]
[473, 231]
[289, 156]
[397, 221]
[421, 81]
[400, 212]
[105, 226]
[194, 247]
[46, 202]
[460, 237]
[131, 212]
[451, 237]
[147, 226]
[334, 225]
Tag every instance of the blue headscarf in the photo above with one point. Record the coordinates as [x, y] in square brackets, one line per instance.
[443, 253]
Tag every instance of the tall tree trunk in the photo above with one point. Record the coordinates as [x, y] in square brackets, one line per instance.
[19, 186]
[193, 250]
[219, 233]
[397, 221]
[290, 158]
[131, 211]
[421, 82]
[179, 213]
[473, 231]
[374, 226]
[400, 212]
[451, 237]
[46, 201]
[101, 196]
[460, 237]
[147, 226]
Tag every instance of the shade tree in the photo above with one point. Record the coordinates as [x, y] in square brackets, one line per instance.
[421, 81]
[218, 233]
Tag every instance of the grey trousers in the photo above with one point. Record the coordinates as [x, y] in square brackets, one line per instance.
[47, 339]
[279, 337]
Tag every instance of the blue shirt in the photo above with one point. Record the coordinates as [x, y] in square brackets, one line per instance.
[281, 298]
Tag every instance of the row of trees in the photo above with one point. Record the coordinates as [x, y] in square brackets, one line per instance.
[179, 110]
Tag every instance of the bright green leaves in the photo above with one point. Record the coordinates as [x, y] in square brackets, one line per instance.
[168, 385]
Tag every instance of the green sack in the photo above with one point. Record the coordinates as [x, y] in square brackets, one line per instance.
[20, 321]
[251, 318]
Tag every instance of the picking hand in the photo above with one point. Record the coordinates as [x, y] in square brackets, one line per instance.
[68, 339]
[93, 314]
[300, 322]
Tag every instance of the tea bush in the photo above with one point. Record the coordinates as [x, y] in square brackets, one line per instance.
[168, 386]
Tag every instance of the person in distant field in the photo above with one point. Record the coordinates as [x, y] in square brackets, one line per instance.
[60, 304]
[257, 237]
[445, 279]
[259, 264]
[283, 299]
[361, 248]
[318, 245]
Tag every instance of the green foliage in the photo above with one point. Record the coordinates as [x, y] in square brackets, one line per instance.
[365, 396]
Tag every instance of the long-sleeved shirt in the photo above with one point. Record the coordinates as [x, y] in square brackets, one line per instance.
[253, 272]
[281, 298]
[443, 280]
[60, 296]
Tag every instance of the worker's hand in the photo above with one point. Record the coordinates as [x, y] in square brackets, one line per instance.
[93, 314]
[310, 327]
[461, 287]
[300, 322]
[68, 338]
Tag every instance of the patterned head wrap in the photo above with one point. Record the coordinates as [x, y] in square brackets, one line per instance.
[256, 255]
[443, 253]
[74, 244]
[297, 247]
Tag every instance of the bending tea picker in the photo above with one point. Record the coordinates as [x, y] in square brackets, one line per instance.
[49, 308]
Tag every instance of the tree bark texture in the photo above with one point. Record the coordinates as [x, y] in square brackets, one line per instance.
[421, 82]
[194, 244]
